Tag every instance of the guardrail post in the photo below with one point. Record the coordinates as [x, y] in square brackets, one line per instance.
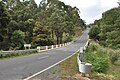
[56, 46]
[38, 49]
[84, 68]
[60, 45]
[63, 44]
[69, 42]
[46, 47]
[81, 55]
[27, 45]
[52, 46]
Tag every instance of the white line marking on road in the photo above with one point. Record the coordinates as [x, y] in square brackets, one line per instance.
[44, 57]
[47, 68]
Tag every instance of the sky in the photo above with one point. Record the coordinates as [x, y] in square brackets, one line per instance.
[90, 10]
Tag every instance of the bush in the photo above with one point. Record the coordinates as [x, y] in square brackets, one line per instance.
[97, 56]
[100, 65]
[94, 32]
[94, 46]
[114, 57]
[17, 39]
[68, 39]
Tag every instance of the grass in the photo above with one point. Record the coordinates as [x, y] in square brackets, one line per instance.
[8, 56]
[69, 67]
[115, 70]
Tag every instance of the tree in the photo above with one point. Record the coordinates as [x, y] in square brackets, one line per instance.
[109, 27]
[49, 23]
[94, 32]
[17, 39]
[40, 35]
[4, 21]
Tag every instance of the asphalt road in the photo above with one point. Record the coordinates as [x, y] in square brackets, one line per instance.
[22, 67]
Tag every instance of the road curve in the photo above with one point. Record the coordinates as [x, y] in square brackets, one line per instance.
[22, 67]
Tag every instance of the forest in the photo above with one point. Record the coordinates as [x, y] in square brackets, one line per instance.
[26, 22]
[106, 31]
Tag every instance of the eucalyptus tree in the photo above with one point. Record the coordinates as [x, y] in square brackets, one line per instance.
[109, 28]
[4, 21]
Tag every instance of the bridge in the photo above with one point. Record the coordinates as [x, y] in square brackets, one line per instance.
[24, 67]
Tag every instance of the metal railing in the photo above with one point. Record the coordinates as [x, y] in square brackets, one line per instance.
[38, 49]
[84, 68]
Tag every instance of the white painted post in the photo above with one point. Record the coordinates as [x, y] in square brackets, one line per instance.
[85, 68]
[52, 47]
[88, 68]
[38, 49]
[69, 43]
[86, 44]
[72, 41]
[56, 46]
[60, 45]
[63, 44]
[81, 54]
[85, 47]
[46, 47]
[82, 68]
[27, 45]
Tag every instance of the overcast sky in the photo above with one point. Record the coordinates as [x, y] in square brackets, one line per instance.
[90, 9]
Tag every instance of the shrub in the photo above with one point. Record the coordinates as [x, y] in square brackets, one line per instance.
[113, 58]
[17, 39]
[68, 39]
[100, 65]
[93, 46]
[97, 56]
[94, 32]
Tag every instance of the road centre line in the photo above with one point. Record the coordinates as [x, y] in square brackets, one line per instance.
[44, 57]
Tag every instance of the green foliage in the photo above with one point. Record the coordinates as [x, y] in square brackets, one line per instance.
[67, 39]
[109, 26]
[4, 16]
[98, 57]
[40, 35]
[18, 39]
[100, 65]
[114, 56]
[55, 18]
[4, 21]
[94, 32]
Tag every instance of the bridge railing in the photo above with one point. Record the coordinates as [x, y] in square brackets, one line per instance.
[84, 68]
[38, 49]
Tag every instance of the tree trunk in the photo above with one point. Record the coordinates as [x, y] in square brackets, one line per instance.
[52, 34]
[57, 40]
[61, 40]
[61, 36]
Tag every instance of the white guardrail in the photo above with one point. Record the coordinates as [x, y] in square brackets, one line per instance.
[84, 68]
[38, 49]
